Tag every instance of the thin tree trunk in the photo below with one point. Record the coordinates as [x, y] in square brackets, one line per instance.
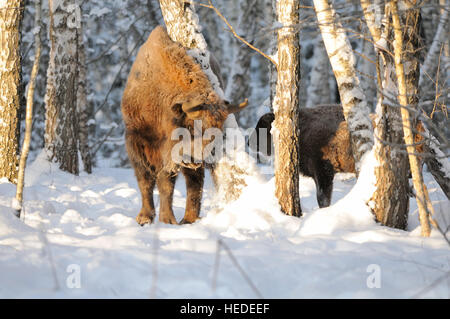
[11, 14]
[84, 113]
[286, 107]
[29, 108]
[435, 59]
[61, 131]
[342, 61]
[423, 201]
[389, 202]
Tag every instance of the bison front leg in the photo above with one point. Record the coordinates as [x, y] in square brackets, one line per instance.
[166, 183]
[194, 186]
[146, 184]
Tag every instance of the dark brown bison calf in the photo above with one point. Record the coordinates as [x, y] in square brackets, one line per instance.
[324, 146]
[167, 90]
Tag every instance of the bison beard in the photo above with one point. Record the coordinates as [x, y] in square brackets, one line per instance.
[167, 90]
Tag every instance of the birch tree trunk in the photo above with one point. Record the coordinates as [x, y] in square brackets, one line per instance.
[286, 108]
[84, 113]
[11, 14]
[404, 82]
[29, 108]
[342, 61]
[183, 27]
[389, 202]
[61, 127]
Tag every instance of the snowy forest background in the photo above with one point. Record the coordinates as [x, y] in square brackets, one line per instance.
[78, 237]
[115, 30]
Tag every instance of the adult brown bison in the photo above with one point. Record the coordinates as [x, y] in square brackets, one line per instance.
[167, 90]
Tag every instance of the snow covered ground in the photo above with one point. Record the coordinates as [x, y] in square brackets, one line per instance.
[83, 227]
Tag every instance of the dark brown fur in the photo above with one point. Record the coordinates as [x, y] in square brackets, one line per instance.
[324, 146]
[162, 78]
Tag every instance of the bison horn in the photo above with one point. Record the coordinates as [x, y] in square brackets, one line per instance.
[193, 108]
[234, 108]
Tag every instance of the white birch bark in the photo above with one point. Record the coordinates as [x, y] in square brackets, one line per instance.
[61, 132]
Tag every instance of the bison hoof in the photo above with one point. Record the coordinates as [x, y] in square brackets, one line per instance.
[143, 219]
[168, 220]
[185, 221]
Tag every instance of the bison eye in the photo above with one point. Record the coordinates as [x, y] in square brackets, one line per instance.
[177, 110]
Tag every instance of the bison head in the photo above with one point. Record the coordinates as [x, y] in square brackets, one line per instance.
[198, 118]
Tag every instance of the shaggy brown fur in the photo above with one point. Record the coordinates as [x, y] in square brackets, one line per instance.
[338, 151]
[162, 81]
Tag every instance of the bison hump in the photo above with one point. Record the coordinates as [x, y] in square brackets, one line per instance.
[170, 72]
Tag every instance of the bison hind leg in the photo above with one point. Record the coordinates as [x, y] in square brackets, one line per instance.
[145, 175]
